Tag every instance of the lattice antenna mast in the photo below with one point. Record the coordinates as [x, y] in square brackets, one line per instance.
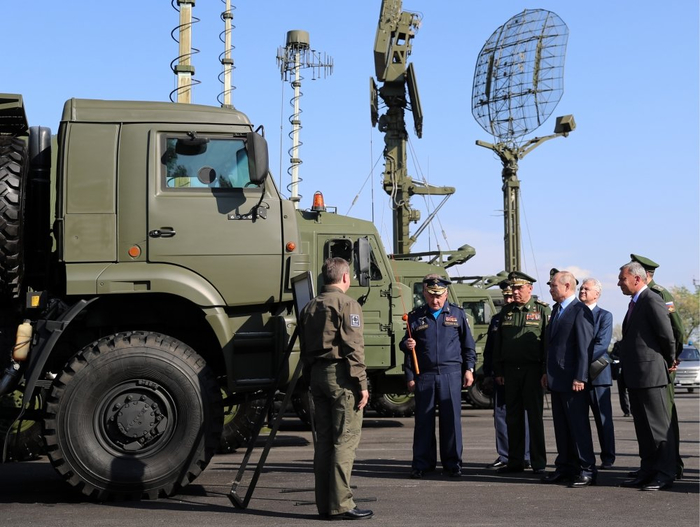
[182, 66]
[225, 98]
[518, 82]
[291, 59]
[392, 46]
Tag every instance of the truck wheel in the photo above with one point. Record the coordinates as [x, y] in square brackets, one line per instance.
[477, 394]
[133, 415]
[13, 177]
[239, 422]
[393, 404]
[25, 440]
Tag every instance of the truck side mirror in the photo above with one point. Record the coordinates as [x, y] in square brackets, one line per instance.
[258, 159]
[362, 260]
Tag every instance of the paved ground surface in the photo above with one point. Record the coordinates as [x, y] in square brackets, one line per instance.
[31, 493]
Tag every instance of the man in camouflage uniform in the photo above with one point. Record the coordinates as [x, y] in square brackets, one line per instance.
[333, 355]
[519, 365]
[679, 335]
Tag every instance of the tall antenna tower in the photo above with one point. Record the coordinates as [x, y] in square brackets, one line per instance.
[518, 82]
[184, 70]
[399, 92]
[226, 75]
[291, 59]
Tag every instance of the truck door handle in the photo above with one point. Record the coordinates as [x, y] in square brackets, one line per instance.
[163, 232]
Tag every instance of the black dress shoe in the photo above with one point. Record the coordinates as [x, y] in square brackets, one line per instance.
[496, 464]
[626, 415]
[636, 482]
[527, 464]
[679, 473]
[657, 485]
[353, 514]
[555, 477]
[538, 471]
[605, 466]
[510, 470]
[416, 474]
[582, 481]
[633, 474]
[453, 472]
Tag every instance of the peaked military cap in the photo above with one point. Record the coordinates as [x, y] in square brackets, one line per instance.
[517, 278]
[648, 264]
[506, 289]
[436, 285]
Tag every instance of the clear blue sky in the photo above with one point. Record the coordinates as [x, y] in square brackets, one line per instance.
[626, 181]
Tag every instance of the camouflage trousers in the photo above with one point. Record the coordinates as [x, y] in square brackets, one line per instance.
[338, 428]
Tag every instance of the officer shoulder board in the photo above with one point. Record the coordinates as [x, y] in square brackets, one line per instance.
[542, 303]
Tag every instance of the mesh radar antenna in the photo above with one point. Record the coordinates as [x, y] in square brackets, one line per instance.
[184, 70]
[392, 46]
[226, 75]
[291, 59]
[518, 82]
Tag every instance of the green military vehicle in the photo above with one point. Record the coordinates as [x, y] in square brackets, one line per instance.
[146, 265]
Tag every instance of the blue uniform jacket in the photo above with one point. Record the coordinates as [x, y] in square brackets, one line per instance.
[443, 345]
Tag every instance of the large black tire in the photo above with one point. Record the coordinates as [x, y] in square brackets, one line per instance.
[393, 404]
[239, 423]
[133, 415]
[478, 395]
[14, 165]
[25, 439]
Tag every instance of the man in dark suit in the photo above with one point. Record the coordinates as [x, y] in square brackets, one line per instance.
[679, 335]
[647, 351]
[599, 388]
[568, 338]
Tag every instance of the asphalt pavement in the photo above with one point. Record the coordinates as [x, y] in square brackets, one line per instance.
[32, 494]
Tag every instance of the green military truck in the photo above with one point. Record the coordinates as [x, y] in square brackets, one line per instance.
[146, 261]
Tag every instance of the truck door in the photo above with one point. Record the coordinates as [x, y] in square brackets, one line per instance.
[376, 310]
[202, 216]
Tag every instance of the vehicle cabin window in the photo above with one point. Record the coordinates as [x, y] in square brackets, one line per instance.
[219, 163]
[343, 248]
[477, 310]
[418, 299]
[690, 354]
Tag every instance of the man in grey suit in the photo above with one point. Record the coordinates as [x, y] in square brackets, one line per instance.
[647, 352]
[568, 338]
[599, 388]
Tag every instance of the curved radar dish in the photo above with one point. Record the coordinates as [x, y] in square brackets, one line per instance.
[519, 75]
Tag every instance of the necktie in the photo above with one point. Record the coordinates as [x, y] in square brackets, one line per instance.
[555, 316]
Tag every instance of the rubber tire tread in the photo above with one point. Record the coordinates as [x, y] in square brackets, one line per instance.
[14, 163]
[73, 401]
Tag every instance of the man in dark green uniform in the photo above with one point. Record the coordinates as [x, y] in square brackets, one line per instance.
[333, 355]
[519, 365]
[678, 334]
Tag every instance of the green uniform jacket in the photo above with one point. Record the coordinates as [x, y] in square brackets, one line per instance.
[676, 324]
[331, 328]
[519, 339]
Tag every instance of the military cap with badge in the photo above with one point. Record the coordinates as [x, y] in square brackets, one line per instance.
[518, 278]
[436, 285]
[649, 265]
[506, 288]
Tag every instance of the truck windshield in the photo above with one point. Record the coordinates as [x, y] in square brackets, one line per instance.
[222, 164]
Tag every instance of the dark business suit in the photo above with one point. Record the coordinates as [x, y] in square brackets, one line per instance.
[569, 337]
[599, 389]
[647, 351]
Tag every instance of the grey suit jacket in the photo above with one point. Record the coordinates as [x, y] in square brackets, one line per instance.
[602, 331]
[647, 347]
[567, 344]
